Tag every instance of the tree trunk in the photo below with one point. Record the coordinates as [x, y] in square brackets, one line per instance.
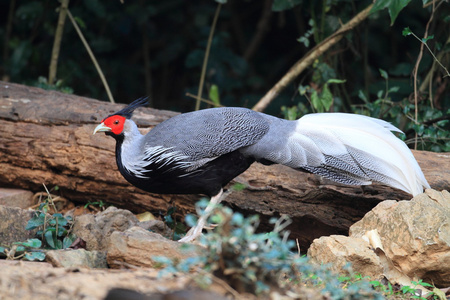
[46, 137]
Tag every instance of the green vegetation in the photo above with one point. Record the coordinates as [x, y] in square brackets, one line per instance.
[53, 232]
[262, 263]
[158, 49]
[259, 263]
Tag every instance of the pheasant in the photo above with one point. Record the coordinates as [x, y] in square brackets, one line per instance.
[200, 152]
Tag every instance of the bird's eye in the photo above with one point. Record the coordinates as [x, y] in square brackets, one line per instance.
[116, 122]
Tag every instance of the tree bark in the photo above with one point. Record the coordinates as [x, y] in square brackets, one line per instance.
[46, 137]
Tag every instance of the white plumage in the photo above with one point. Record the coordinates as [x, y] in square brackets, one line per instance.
[383, 155]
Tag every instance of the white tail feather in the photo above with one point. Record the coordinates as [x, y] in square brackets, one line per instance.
[363, 147]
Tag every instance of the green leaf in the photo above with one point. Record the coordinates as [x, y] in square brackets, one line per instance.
[316, 103]
[333, 80]
[50, 238]
[384, 74]
[280, 5]
[80, 22]
[379, 5]
[20, 249]
[32, 243]
[304, 40]
[61, 231]
[162, 260]
[326, 98]
[406, 31]
[190, 220]
[31, 256]
[394, 7]
[3, 250]
[362, 96]
[238, 187]
[62, 221]
[68, 240]
[36, 221]
[302, 90]
[394, 89]
[424, 40]
[214, 94]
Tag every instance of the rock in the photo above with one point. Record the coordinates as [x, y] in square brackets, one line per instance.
[339, 250]
[13, 223]
[137, 247]
[38, 282]
[197, 294]
[157, 226]
[24, 264]
[77, 258]
[16, 198]
[96, 229]
[415, 234]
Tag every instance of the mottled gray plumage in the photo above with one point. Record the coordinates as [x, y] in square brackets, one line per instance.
[340, 149]
[209, 133]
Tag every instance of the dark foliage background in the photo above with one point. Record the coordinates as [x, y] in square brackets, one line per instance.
[156, 48]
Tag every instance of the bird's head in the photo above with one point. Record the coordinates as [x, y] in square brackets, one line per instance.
[116, 123]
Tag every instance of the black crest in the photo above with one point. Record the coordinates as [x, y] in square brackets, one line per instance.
[127, 112]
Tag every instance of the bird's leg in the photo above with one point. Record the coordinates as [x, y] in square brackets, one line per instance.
[196, 231]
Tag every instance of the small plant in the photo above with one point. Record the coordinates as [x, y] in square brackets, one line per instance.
[178, 228]
[94, 204]
[30, 250]
[430, 125]
[258, 263]
[53, 230]
[42, 83]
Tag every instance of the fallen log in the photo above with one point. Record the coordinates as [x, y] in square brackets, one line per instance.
[46, 137]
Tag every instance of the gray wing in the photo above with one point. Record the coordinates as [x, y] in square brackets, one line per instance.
[201, 136]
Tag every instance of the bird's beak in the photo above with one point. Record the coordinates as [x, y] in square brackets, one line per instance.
[101, 127]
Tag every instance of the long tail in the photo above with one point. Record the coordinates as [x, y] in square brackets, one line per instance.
[346, 148]
[357, 150]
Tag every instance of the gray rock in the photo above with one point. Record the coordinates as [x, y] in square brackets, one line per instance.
[157, 226]
[96, 229]
[16, 198]
[339, 250]
[77, 258]
[13, 223]
[415, 234]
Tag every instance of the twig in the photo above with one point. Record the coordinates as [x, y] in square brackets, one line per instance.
[309, 58]
[205, 59]
[9, 23]
[147, 65]
[91, 54]
[56, 199]
[203, 100]
[416, 70]
[262, 26]
[57, 41]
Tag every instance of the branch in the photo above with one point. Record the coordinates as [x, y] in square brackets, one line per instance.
[416, 69]
[92, 56]
[9, 24]
[57, 42]
[309, 58]
[262, 26]
[205, 60]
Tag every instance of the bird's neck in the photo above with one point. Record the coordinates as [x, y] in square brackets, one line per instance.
[129, 147]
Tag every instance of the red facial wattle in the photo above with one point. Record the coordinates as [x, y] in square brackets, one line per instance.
[116, 123]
